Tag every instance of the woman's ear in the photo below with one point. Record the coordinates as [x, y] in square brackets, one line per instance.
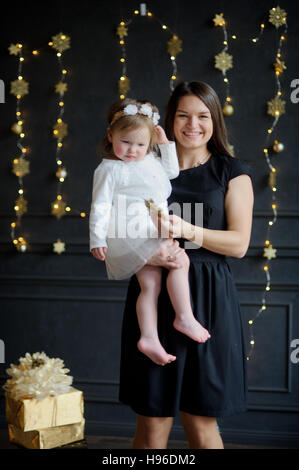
[109, 135]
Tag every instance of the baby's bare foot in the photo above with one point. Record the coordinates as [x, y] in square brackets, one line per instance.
[153, 349]
[192, 328]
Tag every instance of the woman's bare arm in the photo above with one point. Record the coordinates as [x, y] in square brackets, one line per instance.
[233, 241]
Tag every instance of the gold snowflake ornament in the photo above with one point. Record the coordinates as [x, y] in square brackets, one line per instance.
[61, 87]
[276, 107]
[19, 87]
[174, 45]
[20, 167]
[58, 207]
[60, 130]
[277, 16]
[122, 31]
[21, 206]
[223, 61]
[269, 252]
[59, 247]
[61, 42]
[219, 20]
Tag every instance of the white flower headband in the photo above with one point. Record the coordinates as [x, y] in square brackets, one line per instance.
[132, 109]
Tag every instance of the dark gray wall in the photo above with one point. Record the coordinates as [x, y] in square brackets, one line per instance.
[64, 304]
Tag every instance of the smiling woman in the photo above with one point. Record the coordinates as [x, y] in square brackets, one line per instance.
[193, 128]
[207, 380]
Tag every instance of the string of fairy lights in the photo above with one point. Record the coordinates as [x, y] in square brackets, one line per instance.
[20, 163]
[276, 107]
[19, 87]
[224, 62]
[60, 43]
[174, 46]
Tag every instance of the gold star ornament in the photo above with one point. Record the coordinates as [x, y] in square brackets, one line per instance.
[279, 66]
[269, 252]
[277, 16]
[223, 61]
[60, 42]
[276, 107]
[14, 49]
[19, 87]
[219, 20]
[59, 247]
[174, 46]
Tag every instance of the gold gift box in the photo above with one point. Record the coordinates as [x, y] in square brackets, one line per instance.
[30, 414]
[47, 438]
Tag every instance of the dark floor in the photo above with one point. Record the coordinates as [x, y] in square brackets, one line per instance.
[111, 442]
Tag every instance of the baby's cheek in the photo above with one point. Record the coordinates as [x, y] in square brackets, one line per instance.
[118, 149]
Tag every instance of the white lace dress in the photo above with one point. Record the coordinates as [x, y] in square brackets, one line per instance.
[119, 218]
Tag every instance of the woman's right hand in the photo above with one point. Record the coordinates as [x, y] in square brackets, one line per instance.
[168, 256]
[99, 253]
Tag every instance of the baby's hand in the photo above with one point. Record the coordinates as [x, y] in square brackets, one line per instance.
[99, 253]
[161, 136]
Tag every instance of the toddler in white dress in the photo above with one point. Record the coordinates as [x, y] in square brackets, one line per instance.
[123, 231]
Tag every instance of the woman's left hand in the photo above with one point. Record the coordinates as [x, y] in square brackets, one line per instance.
[176, 227]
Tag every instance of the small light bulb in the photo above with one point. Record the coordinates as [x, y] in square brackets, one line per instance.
[83, 214]
[67, 209]
[267, 288]
[250, 322]
[252, 342]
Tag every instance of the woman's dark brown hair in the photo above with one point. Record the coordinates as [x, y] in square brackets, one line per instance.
[218, 143]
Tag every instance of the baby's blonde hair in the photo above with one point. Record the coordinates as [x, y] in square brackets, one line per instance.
[118, 120]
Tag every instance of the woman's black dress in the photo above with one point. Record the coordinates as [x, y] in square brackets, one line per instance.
[207, 379]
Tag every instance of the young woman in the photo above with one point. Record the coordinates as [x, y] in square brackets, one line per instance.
[207, 380]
